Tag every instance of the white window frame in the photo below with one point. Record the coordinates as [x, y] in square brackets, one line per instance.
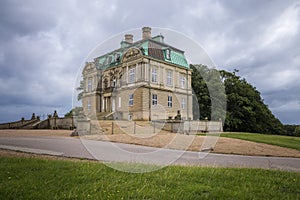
[90, 85]
[131, 75]
[154, 75]
[113, 105]
[183, 103]
[170, 102]
[120, 102]
[103, 102]
[89, 106]
[169, 77]
[182, 82]
[131, 100]
[154, 99]
[168, 54]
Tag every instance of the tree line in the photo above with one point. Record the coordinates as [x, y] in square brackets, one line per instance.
[225, 95]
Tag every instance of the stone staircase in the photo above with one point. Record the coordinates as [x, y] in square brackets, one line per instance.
[103, 115]
[124, 127]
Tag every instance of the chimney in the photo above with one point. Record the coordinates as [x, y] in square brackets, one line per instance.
[146, 33]
[129, 38]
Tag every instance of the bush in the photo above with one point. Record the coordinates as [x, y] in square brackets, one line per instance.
[297, 131]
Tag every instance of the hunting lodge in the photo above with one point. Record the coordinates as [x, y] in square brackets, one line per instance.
[143, 80]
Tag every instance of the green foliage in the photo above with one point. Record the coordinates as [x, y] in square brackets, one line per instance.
[209, 92]
[29, 178]
[201, 92]
[80, 89]
[297, 131]
[246, 111]
[290, 129]
[73, 112]
[277, 140]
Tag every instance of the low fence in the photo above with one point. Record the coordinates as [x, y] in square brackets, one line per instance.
[143, 127]
[177, 126]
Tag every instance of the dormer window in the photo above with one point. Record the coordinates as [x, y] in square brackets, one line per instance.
[117, 57]
[168, 54]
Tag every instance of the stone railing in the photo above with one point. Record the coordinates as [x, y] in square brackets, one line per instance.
[189, 126]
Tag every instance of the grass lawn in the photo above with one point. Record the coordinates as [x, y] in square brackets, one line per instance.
[278, 140]
[32, 178]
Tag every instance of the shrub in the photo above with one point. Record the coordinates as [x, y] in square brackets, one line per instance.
[297, 131]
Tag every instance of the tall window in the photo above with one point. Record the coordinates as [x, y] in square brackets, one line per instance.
[154, 99]
[120, 102]
[130, 100]
[169, 78]
[89, 105]
[89, 85]
[168, 54]
[183, 103]
[132, 75]
[169, 101]
[154, 75]
[182, 82]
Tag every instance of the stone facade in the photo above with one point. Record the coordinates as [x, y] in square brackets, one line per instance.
[142, 80]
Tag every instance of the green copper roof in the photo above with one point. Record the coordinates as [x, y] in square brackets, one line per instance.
[158, 51]
[177, 58]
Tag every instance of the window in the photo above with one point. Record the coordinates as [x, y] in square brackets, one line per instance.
[105, 83]
[182, 81]
[169, 77]
[120, 102]
[89, 105]
[183, 103]
[130, 100]
[169, 101]
[154, 75]
[154, 99]
[89, 85]
[132, 75]
[168, 54]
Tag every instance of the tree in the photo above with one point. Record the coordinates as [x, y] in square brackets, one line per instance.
[80, 89]
[75, 111]
[246, 110]
[297, 131]
[210, 93]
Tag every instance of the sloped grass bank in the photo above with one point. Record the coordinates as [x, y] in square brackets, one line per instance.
[278, 140]
[34, 178]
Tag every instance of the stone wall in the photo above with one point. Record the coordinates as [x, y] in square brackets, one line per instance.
[177, 126]
[17, 124]
[57, 123]
[52, 122]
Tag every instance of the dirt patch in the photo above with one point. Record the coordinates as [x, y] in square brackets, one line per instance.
[38, 132]
[173, 141]
[200, 143]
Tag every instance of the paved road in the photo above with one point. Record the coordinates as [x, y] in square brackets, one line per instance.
[117, 152]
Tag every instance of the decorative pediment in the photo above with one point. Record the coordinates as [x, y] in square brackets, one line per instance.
[131, 54]
[89, 66]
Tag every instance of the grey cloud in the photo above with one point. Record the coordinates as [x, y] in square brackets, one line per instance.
[43, 44]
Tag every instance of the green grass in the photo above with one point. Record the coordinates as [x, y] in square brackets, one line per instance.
[28, 178]
[278, 140]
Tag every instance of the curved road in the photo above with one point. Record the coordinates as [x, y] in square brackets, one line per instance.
[117, 152]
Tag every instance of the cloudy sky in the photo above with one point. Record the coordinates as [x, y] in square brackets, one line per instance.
[44, 43]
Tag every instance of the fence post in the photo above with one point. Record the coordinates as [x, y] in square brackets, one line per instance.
[112, 128]
[134, 123]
